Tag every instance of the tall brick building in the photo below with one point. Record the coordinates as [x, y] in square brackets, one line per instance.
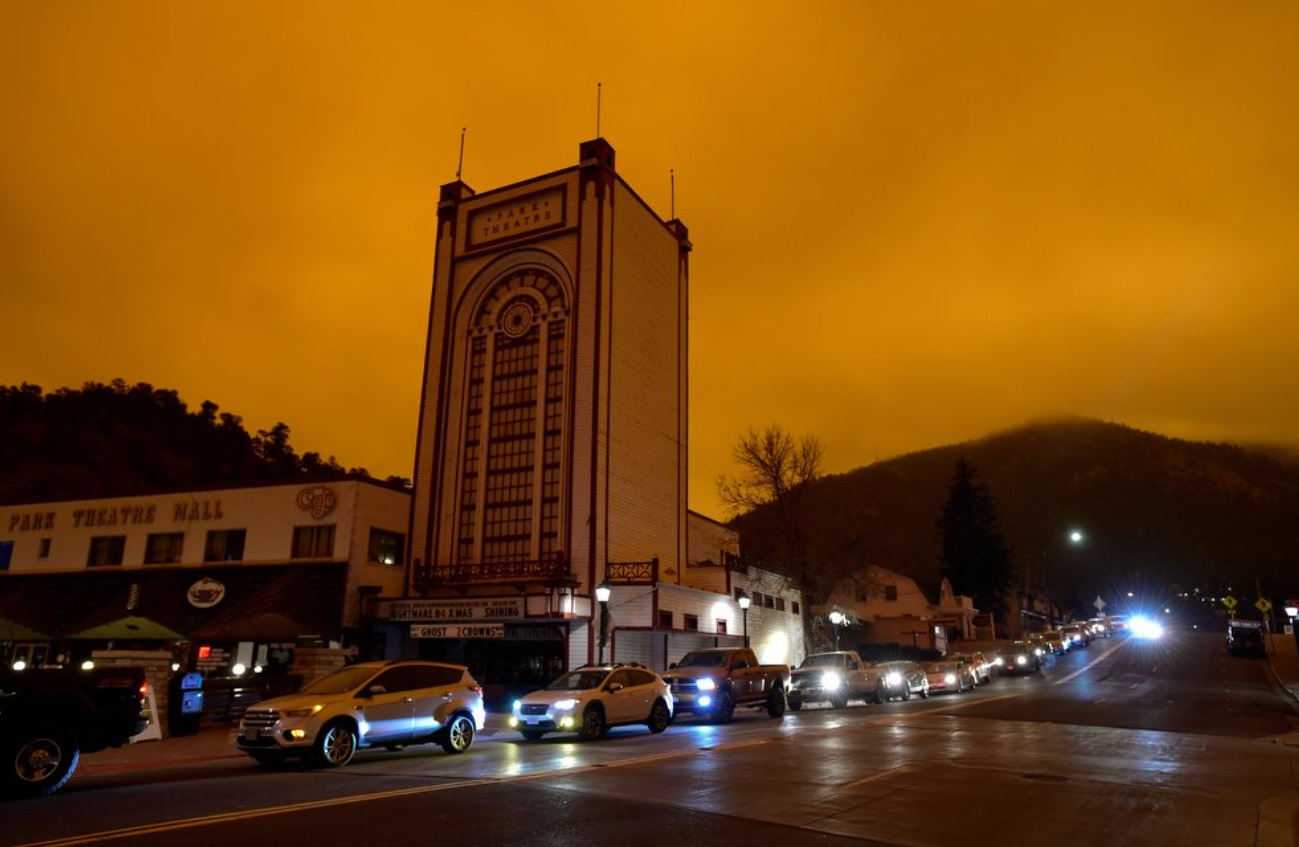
[552, 446]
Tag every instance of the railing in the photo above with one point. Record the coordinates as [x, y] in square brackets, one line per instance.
[645, 573]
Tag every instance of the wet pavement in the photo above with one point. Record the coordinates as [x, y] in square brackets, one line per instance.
[215, 742]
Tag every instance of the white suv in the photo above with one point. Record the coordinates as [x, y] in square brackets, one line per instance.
[373, 704]
[593, 698]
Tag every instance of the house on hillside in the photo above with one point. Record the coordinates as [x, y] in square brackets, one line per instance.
[881, 606]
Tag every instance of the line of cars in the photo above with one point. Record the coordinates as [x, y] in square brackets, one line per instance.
[399, 703]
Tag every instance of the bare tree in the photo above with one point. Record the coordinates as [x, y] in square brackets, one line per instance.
[775, 470]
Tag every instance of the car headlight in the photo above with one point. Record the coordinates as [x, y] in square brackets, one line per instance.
[949, 679]
[1021, 660]
[304, 712]
[894, 678]
[705, 684]
[518, 704]
[831, 680]
[566, 705]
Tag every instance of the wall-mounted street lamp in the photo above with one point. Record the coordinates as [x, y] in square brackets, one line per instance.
[745, 601]
[602, 593]
[836, 618]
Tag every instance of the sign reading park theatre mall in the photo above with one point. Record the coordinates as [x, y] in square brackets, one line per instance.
[457, 618]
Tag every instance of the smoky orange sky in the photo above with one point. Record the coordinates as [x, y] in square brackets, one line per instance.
[914, 223]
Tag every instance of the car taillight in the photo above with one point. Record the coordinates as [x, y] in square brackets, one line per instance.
[144, 692]
[477, 689]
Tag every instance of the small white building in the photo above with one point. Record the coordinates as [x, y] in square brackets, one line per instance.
[882, 606]
[657, 616]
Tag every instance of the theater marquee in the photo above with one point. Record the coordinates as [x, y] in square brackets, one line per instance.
[456, 610]
[473, 630]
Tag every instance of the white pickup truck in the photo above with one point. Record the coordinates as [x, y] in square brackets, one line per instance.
[836, 677]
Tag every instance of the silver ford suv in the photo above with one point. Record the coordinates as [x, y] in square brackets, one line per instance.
[373, 704]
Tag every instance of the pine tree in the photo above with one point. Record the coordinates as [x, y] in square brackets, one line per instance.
[975, 556]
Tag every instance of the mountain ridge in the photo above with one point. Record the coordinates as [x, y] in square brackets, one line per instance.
[1158, 514]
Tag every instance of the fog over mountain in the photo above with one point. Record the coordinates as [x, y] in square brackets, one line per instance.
[1158, 515]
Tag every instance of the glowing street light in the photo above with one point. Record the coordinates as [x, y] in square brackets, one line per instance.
[745, 601]
[602, 593]
[836, 618]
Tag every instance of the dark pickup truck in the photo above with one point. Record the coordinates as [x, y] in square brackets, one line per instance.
[49, 717]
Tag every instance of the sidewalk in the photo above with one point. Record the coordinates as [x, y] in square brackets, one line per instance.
[210, 744]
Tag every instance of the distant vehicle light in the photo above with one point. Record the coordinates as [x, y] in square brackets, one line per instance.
[831, 680]
[1145, 628]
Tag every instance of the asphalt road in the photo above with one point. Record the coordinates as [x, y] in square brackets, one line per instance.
[1121, 743]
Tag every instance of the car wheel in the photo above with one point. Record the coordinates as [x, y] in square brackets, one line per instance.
[659, 717]
[880, 694]
[776, 702]
[906, 691]
[336, 744]
[924, 692]
[532, 734]
[724, 708]
[839, 701]
[795, 704]
[458, 735]
[593, 724]
[39, 762]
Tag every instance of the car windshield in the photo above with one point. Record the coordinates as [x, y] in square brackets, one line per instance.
[703, 660]
[578, 681]
[831, 661]
[941, 667]
[340, 681]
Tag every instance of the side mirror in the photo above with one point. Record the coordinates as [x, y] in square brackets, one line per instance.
[671, 665]
[615, 687]
[374, 691]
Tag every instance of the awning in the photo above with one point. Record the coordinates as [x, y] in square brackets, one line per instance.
[15, 631]
[131, 627]
[259, 603]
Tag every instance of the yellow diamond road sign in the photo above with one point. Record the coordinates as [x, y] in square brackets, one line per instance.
[1263, 605]
[1229, 602]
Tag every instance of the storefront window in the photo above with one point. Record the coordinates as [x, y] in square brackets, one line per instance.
[313, 542]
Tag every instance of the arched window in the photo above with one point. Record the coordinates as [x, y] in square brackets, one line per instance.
[514, 424]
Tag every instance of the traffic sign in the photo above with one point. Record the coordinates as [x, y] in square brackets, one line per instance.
[1263, 605]
[1229, 601]
[1098, 603]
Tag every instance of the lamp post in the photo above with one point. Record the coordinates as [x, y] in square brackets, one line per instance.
[745, 601]
[836, 618]
[602, 593]
[1075, 536]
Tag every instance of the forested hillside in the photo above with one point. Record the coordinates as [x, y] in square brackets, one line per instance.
[1157, 514]
[108, 440]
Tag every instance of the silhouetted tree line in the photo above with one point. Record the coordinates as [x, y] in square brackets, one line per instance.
[118, 439]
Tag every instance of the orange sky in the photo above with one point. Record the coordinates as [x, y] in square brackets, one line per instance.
[914, 223]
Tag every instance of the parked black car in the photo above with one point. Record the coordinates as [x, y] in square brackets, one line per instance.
[49, 717]
[1021, 657]
[1245, 638]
